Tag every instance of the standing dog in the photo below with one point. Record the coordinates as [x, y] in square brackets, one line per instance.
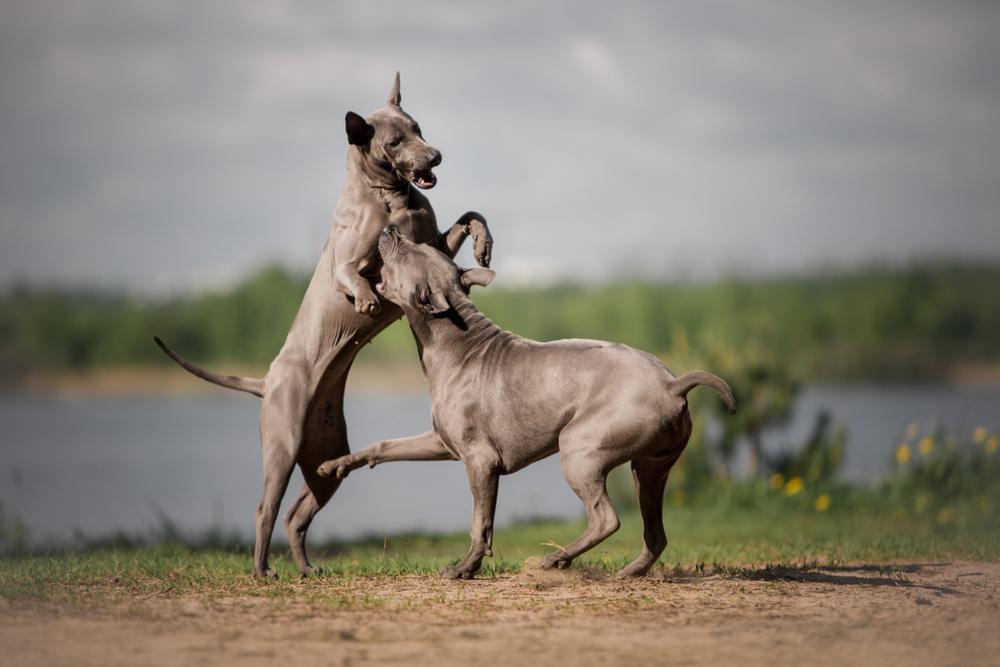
[302, 415]
[501, 402]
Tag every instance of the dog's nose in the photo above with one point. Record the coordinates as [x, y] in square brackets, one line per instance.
[435, 158]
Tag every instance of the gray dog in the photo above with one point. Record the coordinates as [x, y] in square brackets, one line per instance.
[302, 415]
[501, 402]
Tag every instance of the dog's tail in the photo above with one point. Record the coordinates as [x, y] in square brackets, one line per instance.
[685, 383]
[253, 386]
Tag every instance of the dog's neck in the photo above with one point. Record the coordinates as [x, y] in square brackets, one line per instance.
[376, 175]
[449, 340]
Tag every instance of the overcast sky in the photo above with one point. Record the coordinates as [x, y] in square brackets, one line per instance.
[164, 145]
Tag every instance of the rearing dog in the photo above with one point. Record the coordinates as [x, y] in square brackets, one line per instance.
[501, 402]
[302, 415]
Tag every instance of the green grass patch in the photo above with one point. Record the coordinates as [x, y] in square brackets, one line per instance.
[776, 533]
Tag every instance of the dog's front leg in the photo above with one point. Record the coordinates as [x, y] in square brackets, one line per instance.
[484, 478]
[424, 447]
[350, 281]
[470, 224]
[351, 253]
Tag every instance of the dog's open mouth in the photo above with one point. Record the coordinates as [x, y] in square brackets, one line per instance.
[424, 179]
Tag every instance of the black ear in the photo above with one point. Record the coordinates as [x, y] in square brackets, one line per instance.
[432, 302]
[477, 276]
[359, 132]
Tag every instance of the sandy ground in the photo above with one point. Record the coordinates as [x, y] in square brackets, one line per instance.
[926, 614]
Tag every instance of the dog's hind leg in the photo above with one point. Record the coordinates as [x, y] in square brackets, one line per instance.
[316, 492]
[588, 479]
[280, 434]
[277, 469]
[326, 437]
[650, 477]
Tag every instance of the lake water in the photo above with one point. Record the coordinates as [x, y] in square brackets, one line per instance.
[100, 465]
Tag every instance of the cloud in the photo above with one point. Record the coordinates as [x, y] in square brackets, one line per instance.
[170, 144]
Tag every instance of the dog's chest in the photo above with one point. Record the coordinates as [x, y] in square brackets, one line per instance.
[412, 216]
[413, 224]
[456, 416]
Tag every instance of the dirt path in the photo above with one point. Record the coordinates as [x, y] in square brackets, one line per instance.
[927, 614]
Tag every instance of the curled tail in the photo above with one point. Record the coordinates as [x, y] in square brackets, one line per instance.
[685, 383]
[253, 386]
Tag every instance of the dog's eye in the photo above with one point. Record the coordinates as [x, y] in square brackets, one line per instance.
[393, 141]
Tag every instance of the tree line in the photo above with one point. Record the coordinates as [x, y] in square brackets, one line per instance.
[872, 325]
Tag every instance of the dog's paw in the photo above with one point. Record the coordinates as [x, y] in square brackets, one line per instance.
[483, 248]
[265, 574]
[367, 303]
[556, 561]
[338, 468]
[626, 573]
[630, 572]
[453, 572]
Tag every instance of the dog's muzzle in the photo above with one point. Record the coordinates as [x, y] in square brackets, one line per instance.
[424, 177]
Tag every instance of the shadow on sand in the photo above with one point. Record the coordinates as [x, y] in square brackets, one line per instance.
[876, 574]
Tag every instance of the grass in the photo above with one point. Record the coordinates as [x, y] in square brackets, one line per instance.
[721, 539]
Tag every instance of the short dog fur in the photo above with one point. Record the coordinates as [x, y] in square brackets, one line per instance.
[501, 402]
[302, 414]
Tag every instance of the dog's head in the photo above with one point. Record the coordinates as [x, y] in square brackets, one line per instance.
[392, 140]
[421, 279]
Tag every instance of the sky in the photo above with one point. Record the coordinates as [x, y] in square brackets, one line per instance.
[164, 146]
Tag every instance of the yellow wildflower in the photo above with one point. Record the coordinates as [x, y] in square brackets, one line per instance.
[991, 445]
[902, 454]
[912, 431]
[979, 434]
[823, 503]
[926, 445]
[777, 481]
[943, 516]
[920, 504]
[793, 486]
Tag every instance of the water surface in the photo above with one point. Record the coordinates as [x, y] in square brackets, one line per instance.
[107, 464]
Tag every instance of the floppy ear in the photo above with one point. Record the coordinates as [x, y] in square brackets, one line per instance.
[394, 97]
[359, 132]
[432, 302]
[478, 276]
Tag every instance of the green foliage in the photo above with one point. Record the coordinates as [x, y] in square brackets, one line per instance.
[934, 473]
[765, 394]
[819, 459]
[867, 325]
[13, 534]
[58, 329]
